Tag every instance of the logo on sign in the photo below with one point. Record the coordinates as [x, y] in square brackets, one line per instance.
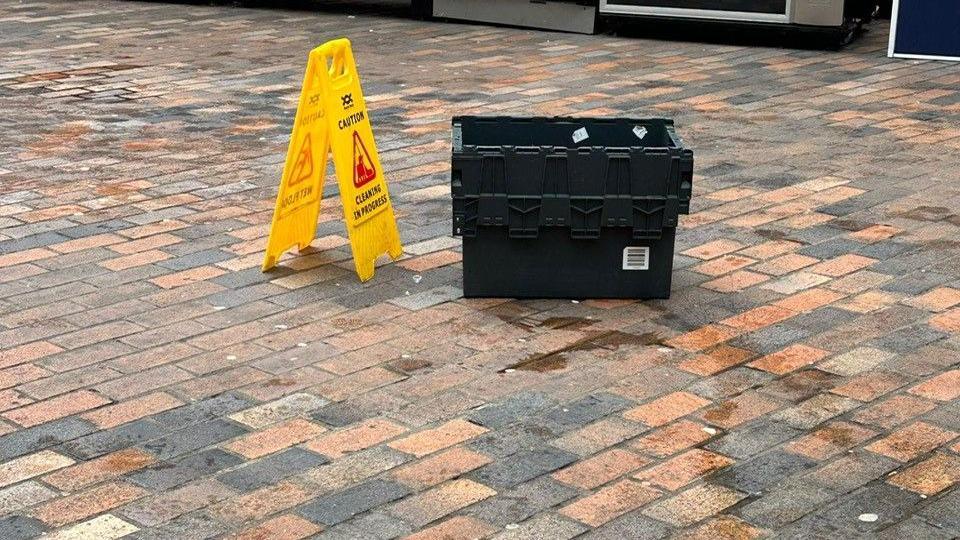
[347, 100]
[363, 170]
[303, 168]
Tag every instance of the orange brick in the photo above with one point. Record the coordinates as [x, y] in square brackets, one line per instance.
[128, 411]
[262, 502]
[364, 435]
[438, 438]
[671, 439]
[600, 469]
[683, 469]
[713, 249]
[809, 300]
[723, 527]
[58, 407]
[27, 353]
[911, 441]
[785, 264]
[146, 244]
[702, 338]
[715, 360]
[25, 256]
[948, 322]
[769, 249]
[134, 260]
[738, 410]
[931, 476]
[440, 467]
[186, 277]
[894, 411]
[789, 359]
[275, 438]
[99, 470]
[736, 281]
[758, 318]
[842, 265]
[723, 265]
[432, 505]
[943, 387]
[431, 261]
[610, 502]
[88, 242]
[939, 299]
[286, 527]
[456, 528]
[875, 233]
[89, 503]
[870, 386]
[830, 440]
[666, 409]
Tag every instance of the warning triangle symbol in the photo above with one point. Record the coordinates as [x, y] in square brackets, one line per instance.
[303, 168]
[363, 170]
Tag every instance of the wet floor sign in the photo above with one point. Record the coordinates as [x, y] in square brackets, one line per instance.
[332, 118]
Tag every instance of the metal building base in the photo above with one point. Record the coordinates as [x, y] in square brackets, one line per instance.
[546, 14]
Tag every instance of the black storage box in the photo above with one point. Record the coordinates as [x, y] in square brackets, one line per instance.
[568, 207]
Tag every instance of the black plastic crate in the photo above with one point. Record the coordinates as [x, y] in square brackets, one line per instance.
[568, 207]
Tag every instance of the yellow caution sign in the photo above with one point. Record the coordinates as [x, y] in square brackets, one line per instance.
[332, 116]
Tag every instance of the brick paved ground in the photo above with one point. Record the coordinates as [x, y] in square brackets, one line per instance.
[802, 382]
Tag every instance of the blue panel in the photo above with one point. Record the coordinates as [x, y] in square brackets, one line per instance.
[928, 27]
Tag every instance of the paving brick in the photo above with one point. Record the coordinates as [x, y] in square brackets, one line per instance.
[158, 509]
[763, 471]
[134, 409]
[439, 501]
[672, 438]
[111, 440]
[27, 467]
[262, 502]
[361, 436]
[337, 507]
[44, 411]
[462, 527]
[24, 441]
[105, 527]
[275, 411]
[830, 440]
[683, 469]
[192, 438]
[355, 468]
[275, 438]
[943, 387]
[88, 503]
[666, 409]
[98, 470]
[169, 474]
[856, 361]
[930, 476]
[694, 505]
[264, 471]
[544, 526]
[21, 527]
[511, 506]
[600, 469]
[609, 502]
[431, 440]
[522, 466]
[789, 359]
[440, 467]
[908, 442]
[893, 411]
[23, 495]
[738, 410]
[285, 527]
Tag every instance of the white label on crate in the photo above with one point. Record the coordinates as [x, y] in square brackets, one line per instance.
[457, 138]
[636, 258]
[640, 131]
[580, 135]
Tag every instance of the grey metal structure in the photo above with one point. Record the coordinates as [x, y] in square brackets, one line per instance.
[842, 16]
[803, 12]
[561, 15]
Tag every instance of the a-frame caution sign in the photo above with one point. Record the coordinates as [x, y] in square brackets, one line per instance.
[332, 117]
